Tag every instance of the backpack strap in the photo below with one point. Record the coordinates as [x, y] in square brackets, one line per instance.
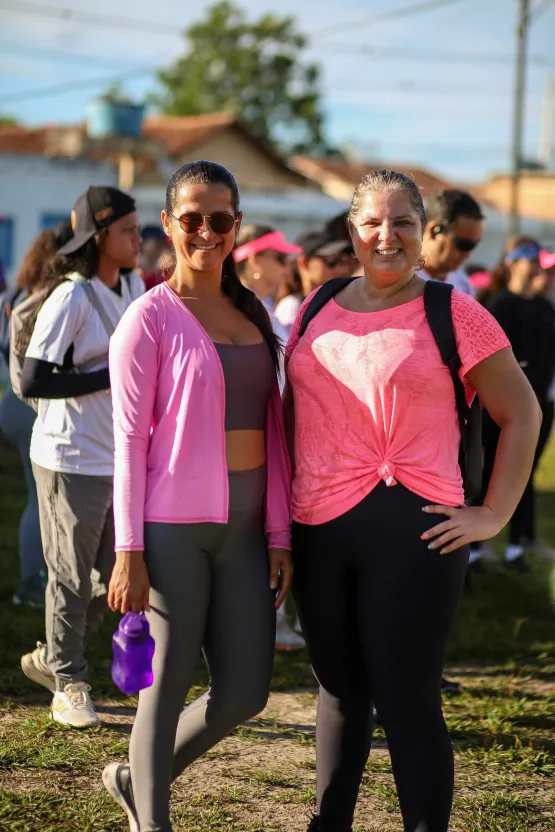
[324, 294]
[437, 304]
[86, 285]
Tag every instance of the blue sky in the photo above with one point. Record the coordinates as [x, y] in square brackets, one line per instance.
[410, 102]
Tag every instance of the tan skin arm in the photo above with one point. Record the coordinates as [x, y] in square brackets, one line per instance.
[509, 399]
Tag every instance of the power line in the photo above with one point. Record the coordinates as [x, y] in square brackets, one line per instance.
[151, 26]
[94, 19]
[60, 89]
[383, 53]
[37, 53]
[403, 11]
[539, 8]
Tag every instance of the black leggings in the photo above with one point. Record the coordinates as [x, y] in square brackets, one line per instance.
[377, 608]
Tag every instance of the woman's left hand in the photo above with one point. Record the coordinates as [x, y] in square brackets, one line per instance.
[463, 526]
[281, 573]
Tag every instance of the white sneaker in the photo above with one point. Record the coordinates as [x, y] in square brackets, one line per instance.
[117, 782]
[36, 669]
[288, 639]
[73, 706]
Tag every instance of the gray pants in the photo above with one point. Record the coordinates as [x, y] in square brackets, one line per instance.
[210, 592]
[77, 528]
[17, 420]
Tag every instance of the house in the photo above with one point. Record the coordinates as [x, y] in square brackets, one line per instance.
[44, 169]
[37, 191]
[272, 192]
[339, 177]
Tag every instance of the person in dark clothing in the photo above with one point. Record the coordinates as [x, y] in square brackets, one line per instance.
[528, 320]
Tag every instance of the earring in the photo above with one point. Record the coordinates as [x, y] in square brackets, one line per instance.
[256, 276]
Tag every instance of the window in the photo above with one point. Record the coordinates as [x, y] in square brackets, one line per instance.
[50, 219]
[6, 241]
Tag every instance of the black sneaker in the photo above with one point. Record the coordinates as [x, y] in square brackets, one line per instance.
[450, 688]
[117, 781]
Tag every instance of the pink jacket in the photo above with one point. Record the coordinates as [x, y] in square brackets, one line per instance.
[169, 413]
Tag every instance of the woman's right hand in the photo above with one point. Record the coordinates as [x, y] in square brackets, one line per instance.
[129, 585]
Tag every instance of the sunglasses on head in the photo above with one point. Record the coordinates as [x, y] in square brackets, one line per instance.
[221, 222]
[461, 243]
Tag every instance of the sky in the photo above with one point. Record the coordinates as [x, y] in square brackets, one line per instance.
[432, 88]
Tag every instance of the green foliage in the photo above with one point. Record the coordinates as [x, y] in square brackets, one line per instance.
[254, 69]
[262, 779]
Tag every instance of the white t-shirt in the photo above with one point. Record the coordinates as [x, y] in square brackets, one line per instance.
[287, 310]
[75, 436]
[282, 334]
[458, 279]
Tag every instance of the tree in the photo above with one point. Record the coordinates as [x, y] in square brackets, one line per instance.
[254, 69]
[8, 121]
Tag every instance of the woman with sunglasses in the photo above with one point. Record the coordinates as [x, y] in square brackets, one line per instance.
[528, 320]
[262, 256]
[380, 529]
[201, 492]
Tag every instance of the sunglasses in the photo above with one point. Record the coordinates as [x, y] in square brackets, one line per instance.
[461, 243]
[334, 260]
[220, 221]
[278, 256]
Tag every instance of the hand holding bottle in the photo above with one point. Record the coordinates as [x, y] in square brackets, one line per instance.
[129, 585]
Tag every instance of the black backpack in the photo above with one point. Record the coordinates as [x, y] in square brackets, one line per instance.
[437, 303]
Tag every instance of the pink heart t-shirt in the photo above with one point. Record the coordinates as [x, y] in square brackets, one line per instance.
[374, 402]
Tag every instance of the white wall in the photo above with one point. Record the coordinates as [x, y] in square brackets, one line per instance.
[33, 185]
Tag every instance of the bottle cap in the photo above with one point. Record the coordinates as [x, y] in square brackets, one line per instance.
[134, 625]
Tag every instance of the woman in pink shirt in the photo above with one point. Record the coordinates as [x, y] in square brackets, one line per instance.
[371, 415]
[201, 492]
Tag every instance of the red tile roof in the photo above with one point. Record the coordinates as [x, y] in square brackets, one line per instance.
[352, 172]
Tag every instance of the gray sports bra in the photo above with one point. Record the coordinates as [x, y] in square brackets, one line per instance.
[249, 382]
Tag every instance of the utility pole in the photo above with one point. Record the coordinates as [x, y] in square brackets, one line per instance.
[547, 132]
[518, 112]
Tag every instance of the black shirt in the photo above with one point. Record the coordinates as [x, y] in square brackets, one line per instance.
[529, 324]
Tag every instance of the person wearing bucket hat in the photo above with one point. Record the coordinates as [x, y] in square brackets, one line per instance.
[72, 448]
[528, 320]
[321, 258]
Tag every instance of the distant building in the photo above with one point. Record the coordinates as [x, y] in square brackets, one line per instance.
[44, 169]
[37, 191]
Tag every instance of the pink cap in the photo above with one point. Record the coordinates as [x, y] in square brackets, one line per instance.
[274, 241]
[480, 280]
[547, 259]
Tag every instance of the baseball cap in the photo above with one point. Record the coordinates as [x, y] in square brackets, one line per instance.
[319, 244]
[526, 251]
[97, 208]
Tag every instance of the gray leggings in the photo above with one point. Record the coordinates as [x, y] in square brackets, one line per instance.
[17, 420]
[209, 592]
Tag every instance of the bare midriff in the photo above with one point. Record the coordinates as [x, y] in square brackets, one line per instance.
[245, 449]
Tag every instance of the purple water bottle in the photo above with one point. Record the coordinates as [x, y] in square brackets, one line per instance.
[133, 648]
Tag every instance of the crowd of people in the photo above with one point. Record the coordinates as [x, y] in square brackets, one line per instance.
[209, 415]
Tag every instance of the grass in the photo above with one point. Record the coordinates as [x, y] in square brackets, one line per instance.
[263, 778]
